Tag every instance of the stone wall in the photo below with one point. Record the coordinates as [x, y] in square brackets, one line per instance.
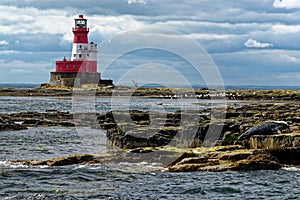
[70, 79]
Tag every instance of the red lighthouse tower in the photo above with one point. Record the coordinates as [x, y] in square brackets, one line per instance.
[82, 66]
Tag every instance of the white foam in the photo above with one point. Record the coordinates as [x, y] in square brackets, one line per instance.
[291, 168]
[7, 164]
[139, 167]
[11, 165]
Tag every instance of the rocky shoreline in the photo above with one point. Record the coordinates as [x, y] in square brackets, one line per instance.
[201, 93]
[170, 142]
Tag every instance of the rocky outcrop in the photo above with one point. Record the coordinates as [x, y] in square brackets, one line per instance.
[286, 155]
[275, 141]
[67, 160]
[215, 159]
[136, 137]
[11, 126]
[219, 160]
[139, 133]
[7, 124]
[19, 121]
[237, 121]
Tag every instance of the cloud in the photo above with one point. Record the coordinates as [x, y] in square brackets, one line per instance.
[3, 42]
[34, 31]
[288, 4]
[20, 71]
[284, 28]
[251, 43]
[66, 38]
[288, 78]
[289, 59]
[7, 52]
[253, 67]
[142, 2]
[30, 20]
[109, 26]
[207, 36]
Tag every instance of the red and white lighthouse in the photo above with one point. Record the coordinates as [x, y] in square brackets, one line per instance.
[82, 66]
[82, 50]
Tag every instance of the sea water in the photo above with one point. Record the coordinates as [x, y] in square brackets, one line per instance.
[122, 180]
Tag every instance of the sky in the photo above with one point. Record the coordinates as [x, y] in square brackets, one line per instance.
[251, 42]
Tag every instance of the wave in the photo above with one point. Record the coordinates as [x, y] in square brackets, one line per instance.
[291, 168]
[12, 165]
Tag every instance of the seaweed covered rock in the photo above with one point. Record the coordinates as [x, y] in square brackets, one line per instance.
[229, 160]
[63, 161]
[275, 141]
[22, 120]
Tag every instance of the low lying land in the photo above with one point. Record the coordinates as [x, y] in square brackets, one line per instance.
[274, 95]
[182, 140]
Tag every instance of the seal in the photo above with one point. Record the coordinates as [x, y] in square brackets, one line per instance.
[266, 128]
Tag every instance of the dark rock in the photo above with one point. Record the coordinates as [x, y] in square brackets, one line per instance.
[31, 122]
[233, 157]
[18, 121]
[51, 110]
[70, 160]
[67, 160]
[258, 162]
[274, 141]
[287, 155]
[12, 127]
[231, 160]
[230, 136]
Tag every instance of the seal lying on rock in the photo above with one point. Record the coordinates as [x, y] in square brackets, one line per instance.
[266, 128]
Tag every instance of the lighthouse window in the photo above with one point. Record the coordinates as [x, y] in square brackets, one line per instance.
[79, 46]
[80, 23]
[67, 66]
[74, 66]
[87, 55]
[79, 55]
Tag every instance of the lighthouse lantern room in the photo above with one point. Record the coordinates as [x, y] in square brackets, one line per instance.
[82, 66]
